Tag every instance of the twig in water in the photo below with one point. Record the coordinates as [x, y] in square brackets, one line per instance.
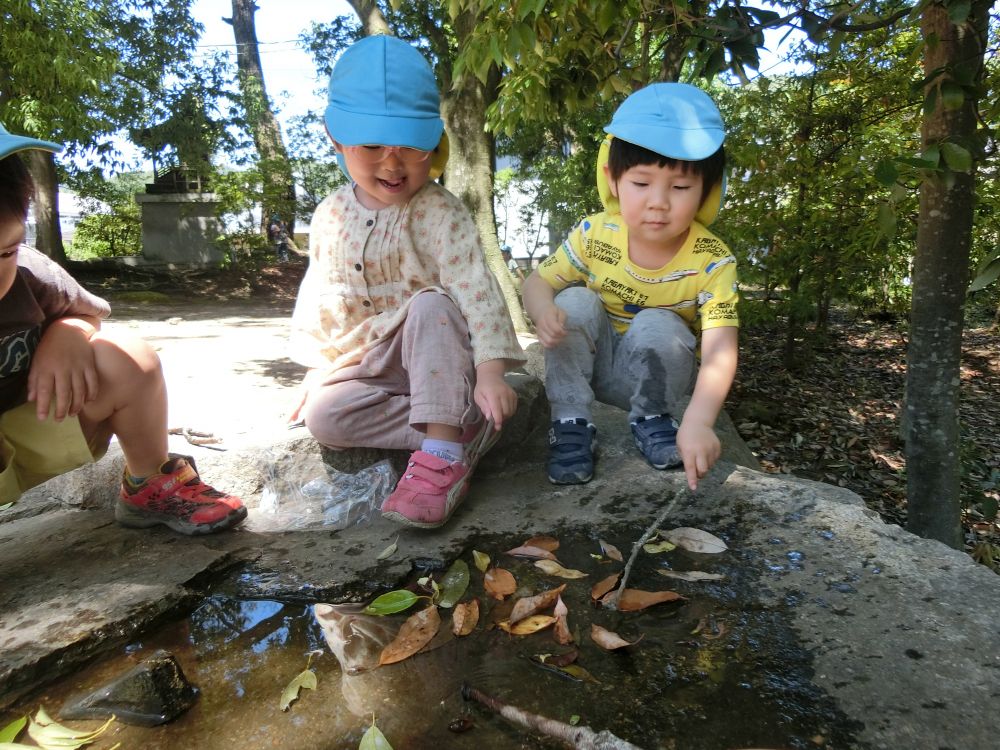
[611, 600]
[581, 738]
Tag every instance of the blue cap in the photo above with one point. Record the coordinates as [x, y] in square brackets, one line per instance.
[382, 91]
[10, 144]
[676, 120]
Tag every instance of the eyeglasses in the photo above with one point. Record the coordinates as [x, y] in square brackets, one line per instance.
[373, 154]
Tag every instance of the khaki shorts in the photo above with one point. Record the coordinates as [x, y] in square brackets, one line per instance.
[33, 451]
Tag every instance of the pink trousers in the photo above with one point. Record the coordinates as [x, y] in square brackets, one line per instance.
[423, 374]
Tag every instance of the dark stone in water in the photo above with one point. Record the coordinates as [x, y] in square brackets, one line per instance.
[151, 693]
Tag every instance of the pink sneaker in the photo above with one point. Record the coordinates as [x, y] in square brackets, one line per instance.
[431, 487]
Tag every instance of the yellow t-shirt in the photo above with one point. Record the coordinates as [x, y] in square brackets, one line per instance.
[699, 283]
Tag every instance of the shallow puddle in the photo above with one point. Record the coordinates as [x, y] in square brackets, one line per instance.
[739, 680]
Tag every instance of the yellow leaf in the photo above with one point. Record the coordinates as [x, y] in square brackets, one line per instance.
[555, 569]
[388, 551]
[305, 679]
[481, 559]
[528, 625]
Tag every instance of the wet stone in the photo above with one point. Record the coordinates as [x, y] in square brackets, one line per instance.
[153, 692]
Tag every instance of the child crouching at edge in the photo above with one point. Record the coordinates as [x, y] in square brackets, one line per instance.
[402, 324]
[655, 280]
[66, 387]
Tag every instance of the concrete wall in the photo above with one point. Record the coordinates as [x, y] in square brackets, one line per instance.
[180, 228]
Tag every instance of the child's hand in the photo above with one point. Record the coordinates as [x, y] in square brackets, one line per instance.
[495, 399]
[699, 447]
[551, 326]
[63, 369]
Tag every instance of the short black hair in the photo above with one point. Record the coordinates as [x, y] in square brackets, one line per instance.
[16, 189]
[623, 155]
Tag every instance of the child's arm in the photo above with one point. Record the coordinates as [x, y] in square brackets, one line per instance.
[539, 303]
[696, 439]
[495, 399]
[63, 367]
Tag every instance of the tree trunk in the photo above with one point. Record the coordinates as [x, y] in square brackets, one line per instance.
[372, 20]
[48, 235]
[940, 278]
[469, 173]
[278, 184]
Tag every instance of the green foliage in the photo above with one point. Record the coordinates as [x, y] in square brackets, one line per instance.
[111, 225]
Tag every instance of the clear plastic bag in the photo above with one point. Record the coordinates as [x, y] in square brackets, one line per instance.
[304, 493]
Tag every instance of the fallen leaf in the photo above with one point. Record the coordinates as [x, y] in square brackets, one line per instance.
[610, 550]
[373, 739]
[661, 546]
[9, 733]
[416, 633]
[555, 569]
[53, 736]
[561, 632]
[305, 679]
[465, 617]
[481, 559]
[609, 640]
[532, 553]
[454, 584]
[544, 542]
[602, 587]
[632, 600]
[695, 540]
[528, 625]
[463, 724]
[529, 605]
[499, 583]
[6, 505]
[575, 670]
[388, 551]
[691, 575]
[392, 602]
[558, 660]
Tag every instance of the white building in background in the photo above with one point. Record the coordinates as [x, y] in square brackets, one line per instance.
[70, 213]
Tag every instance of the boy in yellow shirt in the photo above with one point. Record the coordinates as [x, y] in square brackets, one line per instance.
[620, 306]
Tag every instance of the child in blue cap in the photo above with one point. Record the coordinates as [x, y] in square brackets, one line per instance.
[403, 326]
[66, 387]
[647, 279]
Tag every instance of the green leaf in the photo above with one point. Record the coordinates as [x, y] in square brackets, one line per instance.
[53, 736]
[952, 95]
[373, 739]
[392, 602]
[886, 219]
[959, 10]
[956, 157]
[10, 732]
[454, 584]
[886, 173]
[305, 679]
[987, 275]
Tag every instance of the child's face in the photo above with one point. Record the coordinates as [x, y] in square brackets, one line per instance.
[11, 237]
[387, 181]
[658, 204]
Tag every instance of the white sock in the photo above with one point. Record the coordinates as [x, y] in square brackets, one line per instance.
[445, 449]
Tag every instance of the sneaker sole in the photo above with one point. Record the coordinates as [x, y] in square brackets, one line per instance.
[133, 518]
[476, 449]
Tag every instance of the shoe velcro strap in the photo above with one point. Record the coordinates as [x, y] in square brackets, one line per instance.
[428, 474]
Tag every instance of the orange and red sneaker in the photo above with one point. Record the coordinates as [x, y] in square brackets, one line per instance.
[177, 498]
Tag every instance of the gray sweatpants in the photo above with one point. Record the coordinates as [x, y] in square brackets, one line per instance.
[647, 370]
[423, 374]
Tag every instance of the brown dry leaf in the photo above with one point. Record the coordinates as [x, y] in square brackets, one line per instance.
[416, 633]
[610, 550]
[691, 575]
[543, 542]
[555, 569]
[465, 617]
[602, 587]
[561, 632]
[528, 625]
[530, 605]
[499, 583]
[632, 600]
[532, 553]
[558, 660]
[609, 640]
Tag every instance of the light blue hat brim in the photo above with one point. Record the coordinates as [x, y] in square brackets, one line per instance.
[11, 144]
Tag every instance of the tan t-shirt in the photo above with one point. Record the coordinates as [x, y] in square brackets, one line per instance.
[365, 266]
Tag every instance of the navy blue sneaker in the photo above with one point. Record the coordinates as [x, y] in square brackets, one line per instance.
[571, 451]
[656, 439]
